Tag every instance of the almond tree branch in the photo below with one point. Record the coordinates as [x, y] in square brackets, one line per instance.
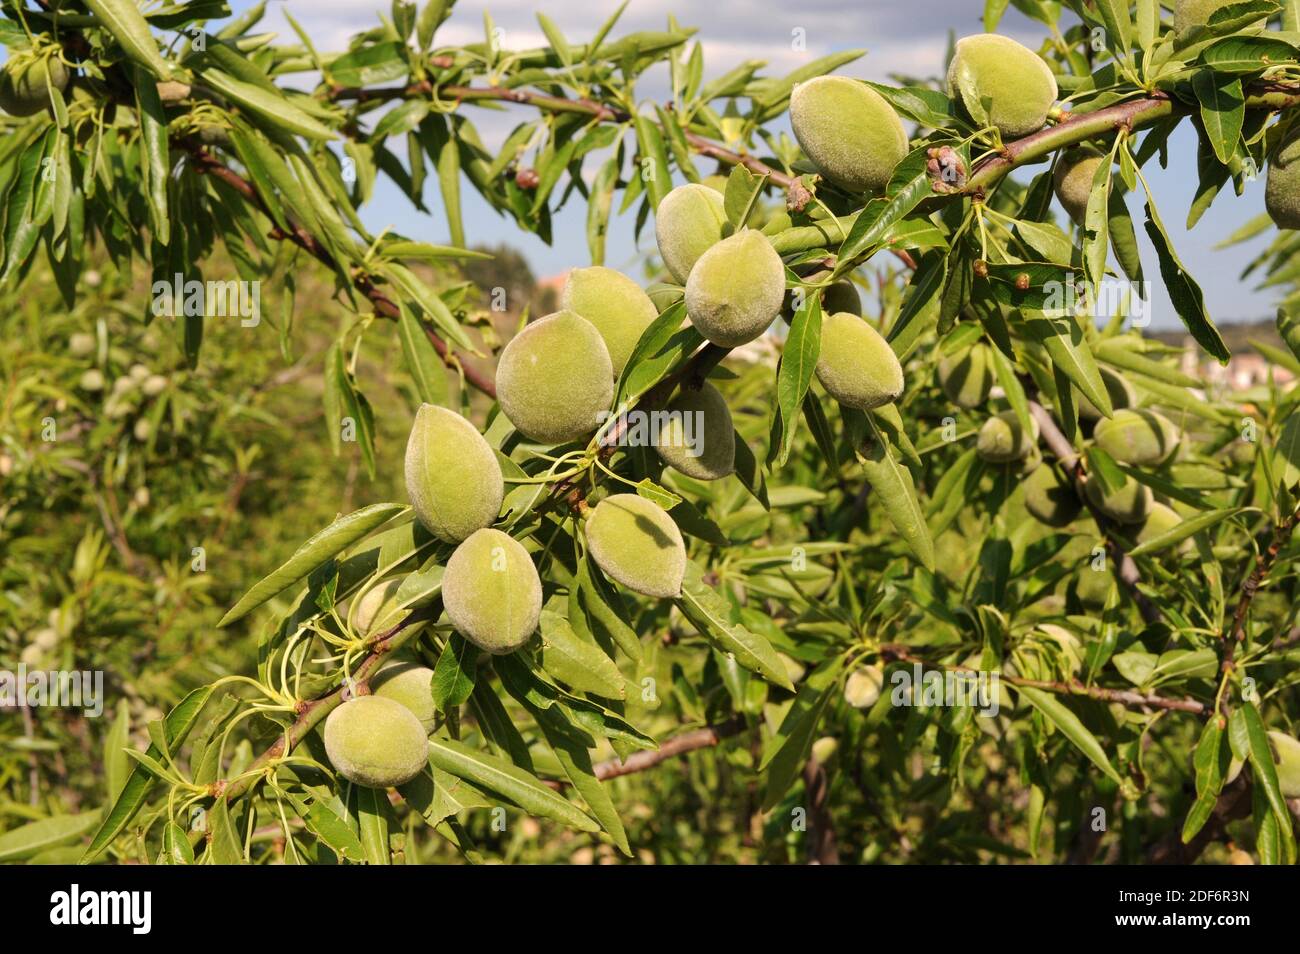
[1236, 634]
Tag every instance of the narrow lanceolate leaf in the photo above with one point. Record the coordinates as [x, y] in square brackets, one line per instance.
[455, 673]
[124, 20]
[1184, 292]
[507, 780]
[1287, 463]
[176, 849]
[372, 825]
[335, 538]
[153, 142]
[798, 361]
[1211, 760]
[1066, 345]
[266, 106]
[1096, 225]
[1223, 111]
[1184, 530]
[892, 484]
[225, 842]
[574, 660]
[1247, 723]
[422, 361]
[709, 611]
[34, 837]
[324, 821]
[788, 747]
[176, 728]
[1073, 729]
[909, 185]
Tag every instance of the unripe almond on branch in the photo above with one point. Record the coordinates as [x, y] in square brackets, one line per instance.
[1141, 438]
[1072, 180]
[862, 688]
[967, 377]
[688, 222]
[856, 365]
[636, 543]
[1121, 395]
[377, 610]
[735, 290]
[1002, 438]
[1130, 504]
[699, 439]
[1286, 756]
[376, 742]
[849, 132]
[452, 474]
[615, 304]
[1282, 187]
[1050, 498]
[492, 593]
[409, 684]
[1016, 82]
[25, 85]
[555, 378]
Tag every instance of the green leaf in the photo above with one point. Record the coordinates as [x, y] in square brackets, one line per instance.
[1223, 111]
[335, 538]
[325, 822]
[710, 613]
[892, 483]
[1073, 729]
[272, 108]
[908, 186]
[573, 660]
[153, 144]
[1068, 348]
[176, 849]
[1246, 721]
[508, 781]
[1184, 530]
[131, 31]
[372, 825]
[370, 65]
[34, 837]
[1211, 760]
[795, 372]
[177, 727]
[225, 843]
[742, 192]
[1184, 292]
[422, 360]
[455, 673]
[115, 761]
[788, 747]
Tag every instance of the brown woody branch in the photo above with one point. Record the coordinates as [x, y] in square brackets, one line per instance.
[1263, 563]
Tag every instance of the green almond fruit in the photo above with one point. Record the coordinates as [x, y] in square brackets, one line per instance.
[862, 688]
[82, 344]
[856, 365]
[1130, 504]
[1002, 439]
[1050, 498]
[376, 742]
[1286, 756]
[636, 543]
[491, 592]
[848, 131]
[1142, 438]
[1282, 184]
[1092, 587]
[409, 684]
[1072, 180]
[1120, 391]
[1289, 329]
[25, 87]
[452, 475]
[1016, 83]
[699, 439]
[377, 610]
[616, 305]
[688, 222]
[967, 377]
[555, 378]
[735, 290]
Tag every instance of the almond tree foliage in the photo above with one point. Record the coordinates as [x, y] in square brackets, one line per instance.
[1147, 668]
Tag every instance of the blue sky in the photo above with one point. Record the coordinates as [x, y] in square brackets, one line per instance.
[906, 37]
